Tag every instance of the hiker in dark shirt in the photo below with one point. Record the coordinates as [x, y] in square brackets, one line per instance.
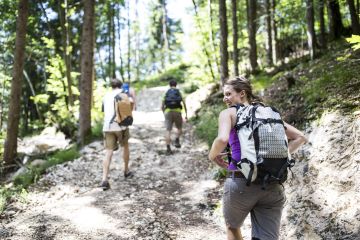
[264, 206]
[171, 105]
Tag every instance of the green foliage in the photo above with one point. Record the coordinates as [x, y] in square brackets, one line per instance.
[176, 73]
[328, 83]
[355, 41]
[23, 181]
[33, 173]
[219, 174]
[96, 131]
[96, 111]
[332, 83]
[55, 102]
[5, 194]
[192, 87]
[261, 81]
[207, 122]
[155, 57]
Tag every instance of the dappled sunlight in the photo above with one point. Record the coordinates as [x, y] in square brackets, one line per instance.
[193, 233]
[148, 118]
[196, 190]
[85, 216]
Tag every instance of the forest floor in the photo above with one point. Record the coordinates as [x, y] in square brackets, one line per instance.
[169, 197]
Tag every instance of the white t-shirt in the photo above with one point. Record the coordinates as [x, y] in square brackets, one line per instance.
[109, 111]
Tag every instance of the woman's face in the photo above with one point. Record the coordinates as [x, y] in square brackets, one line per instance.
[231, 97]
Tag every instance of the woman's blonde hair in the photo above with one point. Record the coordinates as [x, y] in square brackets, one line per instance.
[239, 84]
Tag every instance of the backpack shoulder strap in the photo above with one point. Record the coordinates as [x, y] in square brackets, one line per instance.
[116, 98]
[238, 126]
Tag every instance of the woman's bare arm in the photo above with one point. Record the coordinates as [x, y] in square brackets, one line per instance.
[225, 125]
[295, 136]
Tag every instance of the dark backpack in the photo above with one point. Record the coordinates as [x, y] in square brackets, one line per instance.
[173, 98]
[123, 110]
[265, 155]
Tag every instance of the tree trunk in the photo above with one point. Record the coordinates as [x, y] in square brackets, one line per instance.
[65, 44]
[322, 25]
[109, 41]
[137, 50]
[269, 50]
[354, 18]
[113, 66]
[10, 147]
[120, 50]
[87, 64]
[235, 37]
[128, 43]
[274, 32]
[252, 34]
[33, 94]
[310, 28]
[164, 32]
[224, 55]
[203, 44]
[213, 46]
[336, 25]
[103, 71]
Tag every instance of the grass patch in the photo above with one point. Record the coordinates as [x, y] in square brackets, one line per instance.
[262, 81]
[33, 173]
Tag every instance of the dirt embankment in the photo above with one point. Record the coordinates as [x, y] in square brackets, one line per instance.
[324, 197]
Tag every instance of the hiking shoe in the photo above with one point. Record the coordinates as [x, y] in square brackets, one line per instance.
[169, 152]
[104, 185]
[128, 174]
[177, 143]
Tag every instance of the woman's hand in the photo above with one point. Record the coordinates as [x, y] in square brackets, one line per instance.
[220, 161]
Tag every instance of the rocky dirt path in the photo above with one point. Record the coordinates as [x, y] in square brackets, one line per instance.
[170, 197]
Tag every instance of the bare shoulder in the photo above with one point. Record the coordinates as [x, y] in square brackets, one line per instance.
[228, 113]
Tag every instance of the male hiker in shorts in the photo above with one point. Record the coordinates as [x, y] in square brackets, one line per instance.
[113, 134]
[172, 108]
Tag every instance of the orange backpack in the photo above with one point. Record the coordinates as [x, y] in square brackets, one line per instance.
[123, 110]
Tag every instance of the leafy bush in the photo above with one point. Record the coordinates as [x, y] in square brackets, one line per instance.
[355, 40]
[192, 87]
[207, 122]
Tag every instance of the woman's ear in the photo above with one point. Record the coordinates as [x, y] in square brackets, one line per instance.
[242, 93]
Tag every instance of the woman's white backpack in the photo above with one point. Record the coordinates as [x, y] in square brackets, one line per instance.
[265, 155]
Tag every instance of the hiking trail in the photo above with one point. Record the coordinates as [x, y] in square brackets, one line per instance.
[169, 197]
[175, 197]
